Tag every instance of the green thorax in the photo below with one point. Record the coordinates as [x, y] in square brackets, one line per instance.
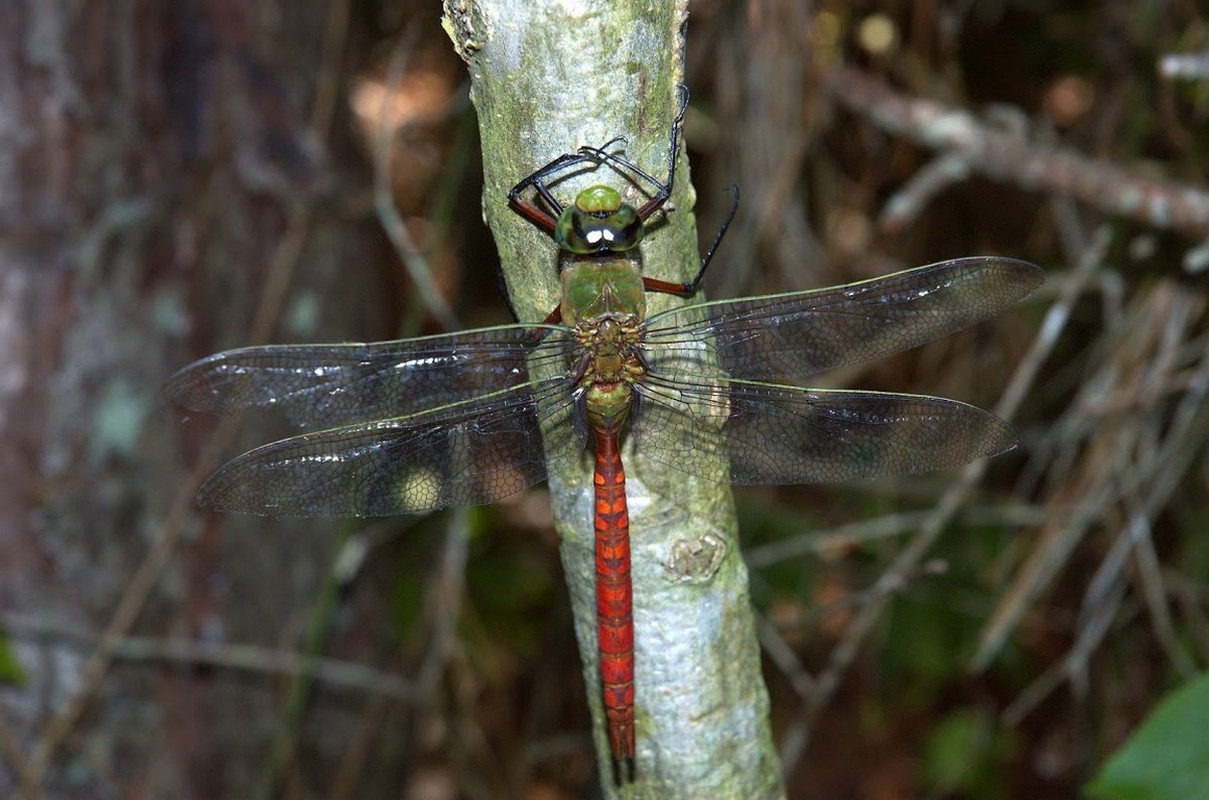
[603, 300]
[599, 286]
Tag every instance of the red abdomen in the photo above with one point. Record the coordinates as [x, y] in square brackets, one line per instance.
[614, 595]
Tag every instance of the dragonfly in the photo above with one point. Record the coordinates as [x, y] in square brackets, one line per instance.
[709, 388]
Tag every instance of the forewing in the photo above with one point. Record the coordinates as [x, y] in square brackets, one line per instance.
[469, 453]
[789, 337]
[332, 384]
[782, 435]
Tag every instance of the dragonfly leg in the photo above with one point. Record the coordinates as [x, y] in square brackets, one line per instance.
[663, 189]
[553, 318]
[548, 220]
[543, 219]
[656, 202]
[689, 289]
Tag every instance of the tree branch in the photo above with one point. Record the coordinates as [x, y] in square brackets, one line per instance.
[969, 146]
[548, 77]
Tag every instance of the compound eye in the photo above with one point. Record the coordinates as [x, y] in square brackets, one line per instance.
[624, 228]
[598, 222]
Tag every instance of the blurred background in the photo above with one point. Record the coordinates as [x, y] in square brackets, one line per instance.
[183, 178]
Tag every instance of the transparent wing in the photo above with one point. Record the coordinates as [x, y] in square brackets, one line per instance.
[784, 435]
[331, 384]
[469, 453]
[789, 337]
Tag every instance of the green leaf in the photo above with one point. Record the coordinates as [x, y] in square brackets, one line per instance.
[1167, 758]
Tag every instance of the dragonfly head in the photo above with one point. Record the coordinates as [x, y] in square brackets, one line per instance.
[598, 222]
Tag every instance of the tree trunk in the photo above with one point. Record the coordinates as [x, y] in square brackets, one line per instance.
[548, 77]
[152, 158]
